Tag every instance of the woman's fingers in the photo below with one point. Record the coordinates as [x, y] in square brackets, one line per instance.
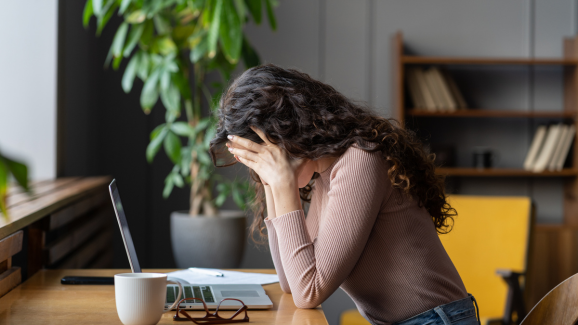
[250, 145]
[241, 153]
[247, 163]
[261, 135]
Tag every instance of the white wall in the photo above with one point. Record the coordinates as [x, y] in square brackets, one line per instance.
[28, 43]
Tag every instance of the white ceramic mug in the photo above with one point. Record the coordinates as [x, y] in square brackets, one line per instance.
[140, 297]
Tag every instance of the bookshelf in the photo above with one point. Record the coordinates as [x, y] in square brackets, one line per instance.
[401, 61]
[555, 243]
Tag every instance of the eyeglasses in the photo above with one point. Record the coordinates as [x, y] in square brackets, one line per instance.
[212, 318]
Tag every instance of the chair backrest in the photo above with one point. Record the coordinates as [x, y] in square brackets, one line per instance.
[489, 233]
[558, 307]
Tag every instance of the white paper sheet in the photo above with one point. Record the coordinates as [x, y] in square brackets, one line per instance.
[230, 277]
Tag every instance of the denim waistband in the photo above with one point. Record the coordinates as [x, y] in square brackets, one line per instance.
[449, 313]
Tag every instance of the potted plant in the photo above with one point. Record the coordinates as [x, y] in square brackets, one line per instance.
[19, 171]
[172, 45]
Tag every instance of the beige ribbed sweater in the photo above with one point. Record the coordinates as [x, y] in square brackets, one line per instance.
[367, 238]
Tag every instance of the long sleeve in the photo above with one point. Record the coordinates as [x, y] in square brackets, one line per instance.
[274, 247]
[315, 268]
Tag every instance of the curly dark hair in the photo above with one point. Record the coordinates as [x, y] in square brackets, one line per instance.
[310, 119]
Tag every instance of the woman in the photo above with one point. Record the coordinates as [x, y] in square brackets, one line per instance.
[375, 200]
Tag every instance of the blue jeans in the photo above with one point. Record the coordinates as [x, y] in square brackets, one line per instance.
[459, 312]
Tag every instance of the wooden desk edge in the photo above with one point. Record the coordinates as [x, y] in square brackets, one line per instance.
[283, 307]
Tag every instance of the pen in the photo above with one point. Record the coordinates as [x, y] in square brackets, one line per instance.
[207, 272]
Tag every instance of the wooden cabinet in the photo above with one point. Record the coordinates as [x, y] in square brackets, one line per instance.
[63, 223]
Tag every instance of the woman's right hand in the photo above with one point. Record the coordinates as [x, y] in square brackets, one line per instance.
[231, 145]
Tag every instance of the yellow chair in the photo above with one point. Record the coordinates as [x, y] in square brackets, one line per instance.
[489, 247]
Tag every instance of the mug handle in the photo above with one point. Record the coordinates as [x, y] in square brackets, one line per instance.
[178, 296]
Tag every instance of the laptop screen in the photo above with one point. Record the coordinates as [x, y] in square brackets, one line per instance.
[126, 237]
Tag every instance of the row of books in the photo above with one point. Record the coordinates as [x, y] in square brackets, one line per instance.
[434, 90]
[550, 147]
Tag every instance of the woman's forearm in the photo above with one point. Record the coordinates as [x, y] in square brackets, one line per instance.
[286, 198]
[270, 202]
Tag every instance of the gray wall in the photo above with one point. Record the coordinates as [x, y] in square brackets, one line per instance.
[347, 44]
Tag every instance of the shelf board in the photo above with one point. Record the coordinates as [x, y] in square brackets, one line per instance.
[409, 59]
[503, 172]
[490, 113]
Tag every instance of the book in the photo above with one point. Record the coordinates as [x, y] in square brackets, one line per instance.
[444, 90]
[558, 148]
[414, 89]
[535, 147]
[455, 91]
[547, 149]
[570, 135]
[435, 90]
[424, 90]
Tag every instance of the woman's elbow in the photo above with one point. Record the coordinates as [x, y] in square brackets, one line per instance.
[285, 288]
[306, 303]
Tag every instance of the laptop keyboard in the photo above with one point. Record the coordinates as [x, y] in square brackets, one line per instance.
[203, 292]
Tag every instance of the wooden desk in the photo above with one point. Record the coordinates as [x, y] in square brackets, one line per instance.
[43, 300]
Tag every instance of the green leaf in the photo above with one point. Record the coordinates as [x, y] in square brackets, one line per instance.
[164, 45]
[209, 135]
[220, 199]
[271, 14]
[199, 50]
[143, 66]
[203, 157]
[183, 84]
[165, 79]
[108, 57]
[155, 144]
[171, 98]
[250, 56]
[157, 131]
[182, 128]
[231, 32]
[133, 38]
[255, 9]
[214, 28]
[150, 92]
[18, 170]
[172, 146]
[202, 125]
[178, 180]
[147, 34]
[119, 38]
[97, 7]
[130, 73]
[136, 17]
[103, 19]
[240, 6]
[123, 5]
[181, 33]
[186, 161]
[168, 186]
[162, 24]
[88, 11]
[116, 62]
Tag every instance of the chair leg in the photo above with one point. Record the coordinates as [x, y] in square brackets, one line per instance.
[515, 297]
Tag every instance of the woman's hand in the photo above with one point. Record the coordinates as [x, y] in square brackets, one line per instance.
[270, 162]
[274, 167]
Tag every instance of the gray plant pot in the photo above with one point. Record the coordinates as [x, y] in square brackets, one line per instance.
[214, 242]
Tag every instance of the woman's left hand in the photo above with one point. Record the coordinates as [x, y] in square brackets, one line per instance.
[271, 163]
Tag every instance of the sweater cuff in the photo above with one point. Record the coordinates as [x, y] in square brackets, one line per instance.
[292, 226]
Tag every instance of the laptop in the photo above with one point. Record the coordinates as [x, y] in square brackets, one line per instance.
[252, 295]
